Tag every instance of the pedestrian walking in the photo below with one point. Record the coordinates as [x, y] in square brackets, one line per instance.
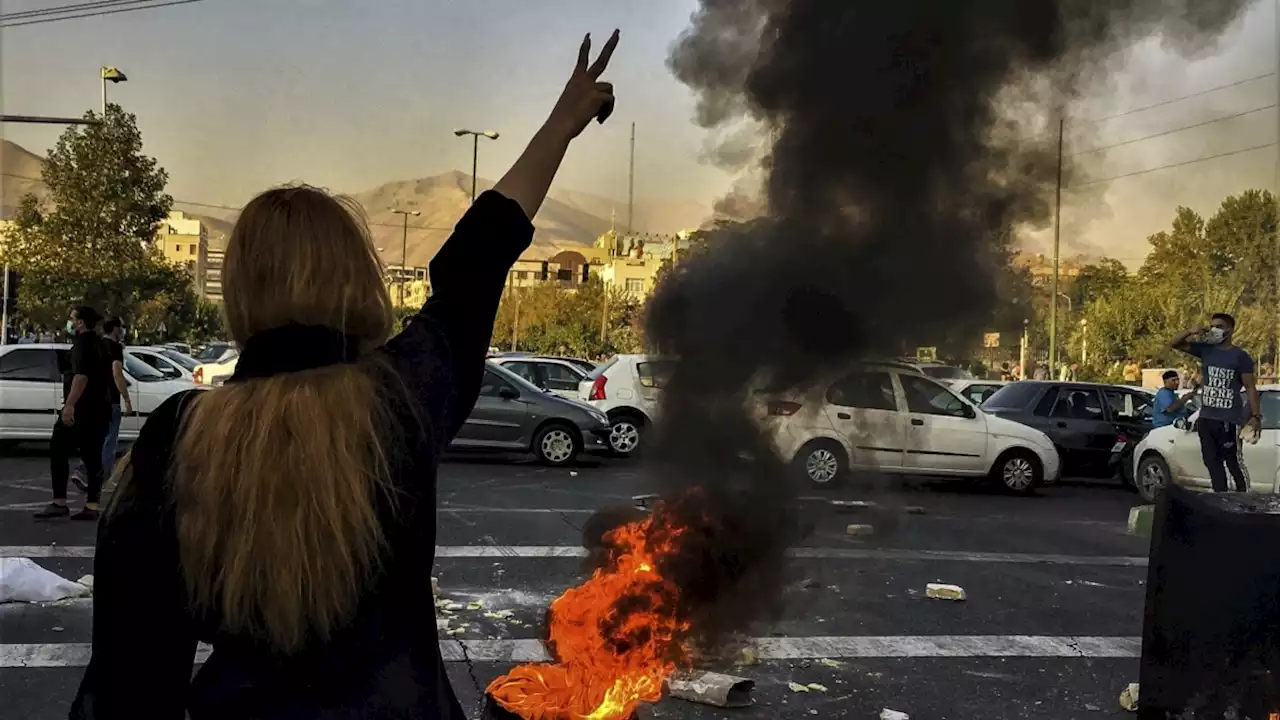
[1227, 370]
[1168, 407]
[81, 427]
[113, 341]
[288, 518]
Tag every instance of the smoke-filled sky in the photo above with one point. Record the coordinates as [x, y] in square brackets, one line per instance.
[235, 95]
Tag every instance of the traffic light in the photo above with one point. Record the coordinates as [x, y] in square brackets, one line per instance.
[11, 281]
[546, 270]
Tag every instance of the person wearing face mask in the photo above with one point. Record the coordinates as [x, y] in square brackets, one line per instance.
[1226, 370]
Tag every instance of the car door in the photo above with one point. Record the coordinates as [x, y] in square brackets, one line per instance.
[147, 389]
[524, 369]
[560, 378]
[864, 407]
[651, 376]
[1079, 427]
[1129, 412]
[944, 434]
[30, 390]
[1262, 459]
[498, 419]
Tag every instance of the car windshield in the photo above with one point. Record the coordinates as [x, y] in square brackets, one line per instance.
[186, 361]
[585, 365]
[141, 371]
[1017, 396]
[513, 378]
[946, 372]
[602, 368]
[213, 352]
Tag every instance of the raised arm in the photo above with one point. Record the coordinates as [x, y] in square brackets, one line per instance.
[455, 325]
[1183, 342]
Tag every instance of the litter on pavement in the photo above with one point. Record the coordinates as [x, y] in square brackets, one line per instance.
[709, 688]
[941, 591]
[22, 580]
[888, 714]
[1129, 698]
[860, 530]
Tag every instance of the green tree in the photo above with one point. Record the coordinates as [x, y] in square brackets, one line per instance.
[92, 242]
[551, 319]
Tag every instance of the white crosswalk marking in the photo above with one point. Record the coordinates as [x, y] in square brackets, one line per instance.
[57, 655]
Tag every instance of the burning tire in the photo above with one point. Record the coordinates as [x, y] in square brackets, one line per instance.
[557, 444]
[822, 463]
[1018, 472]
[625, 435]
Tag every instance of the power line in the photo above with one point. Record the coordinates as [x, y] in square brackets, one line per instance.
[397, 226]
[1175, 130]
[1175, 100]
[65, 9]
[1173, 165]
[96, 13]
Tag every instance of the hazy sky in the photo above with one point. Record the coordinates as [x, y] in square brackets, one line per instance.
[236, 95]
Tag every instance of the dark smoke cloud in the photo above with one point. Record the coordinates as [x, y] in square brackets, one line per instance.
[898, 156]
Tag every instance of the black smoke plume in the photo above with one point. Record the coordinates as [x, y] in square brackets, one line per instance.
[898, 157]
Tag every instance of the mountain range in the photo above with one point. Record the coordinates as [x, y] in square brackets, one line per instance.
[567, 218]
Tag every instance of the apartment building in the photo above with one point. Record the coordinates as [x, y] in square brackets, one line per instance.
[184, 241]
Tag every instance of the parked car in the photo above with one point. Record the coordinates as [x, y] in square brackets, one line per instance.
[890, 418]
[976, 391]
[215, 372]
[1095, 427]
[217, 352]
[513, 414]
[558, 375]
[183, 348]
[627, 389]
[1172, 453]
[31, 390]
[938, 371]
[165, 360]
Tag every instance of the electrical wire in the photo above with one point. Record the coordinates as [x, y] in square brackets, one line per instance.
[397, 226]
[1174, 100]
[95, 13]
[1175, 130]
[1170, 165]
[65, 9]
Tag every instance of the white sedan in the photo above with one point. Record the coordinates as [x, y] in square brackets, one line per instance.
[888, 417]
[1173, 453]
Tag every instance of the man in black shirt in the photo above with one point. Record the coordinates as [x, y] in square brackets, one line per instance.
[86, 413]
[113, 338]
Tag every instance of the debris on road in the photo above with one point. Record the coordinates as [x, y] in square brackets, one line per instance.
[435, 587]
[797, 687]
[817, 687]
[860, 530]
[1129, 698]
[475, 606]
[87, 581]
[915, 510]
[1140, 520]
[748, 656]
[500, 614]
[888, 714]
[22, 580]
[709, 688]
[942, 591]
[852, 505]
[830, 663]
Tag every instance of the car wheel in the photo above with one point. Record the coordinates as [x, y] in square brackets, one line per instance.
[1018, 472]
[1153, 475]
[625, 434]
[821, 463]
[557, 444]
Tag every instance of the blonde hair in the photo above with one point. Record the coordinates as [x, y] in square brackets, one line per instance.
[278, 480]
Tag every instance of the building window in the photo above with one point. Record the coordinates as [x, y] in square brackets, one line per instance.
[635, 285]
[191, 250]
[564, 275]
[191, 265]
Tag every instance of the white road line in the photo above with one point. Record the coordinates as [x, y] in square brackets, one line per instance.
[63, 655]
[571, 551]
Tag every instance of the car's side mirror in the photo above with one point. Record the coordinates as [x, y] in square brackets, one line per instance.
[508, 393]
[1182, 424]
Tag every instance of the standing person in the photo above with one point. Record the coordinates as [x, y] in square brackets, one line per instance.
[288, 518]
[113, 341]
[1168, 407]
[81, 427]
[1227, 369]
[1132, 373]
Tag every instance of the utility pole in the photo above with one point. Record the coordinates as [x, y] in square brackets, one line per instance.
[4, 324]
[631, 184]
[475, 152]
[1057, 242]
[404, 247]
[1275, 358]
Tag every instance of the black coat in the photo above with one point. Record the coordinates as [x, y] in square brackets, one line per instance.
[386, 662]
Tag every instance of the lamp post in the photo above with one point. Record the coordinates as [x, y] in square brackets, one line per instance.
[404, 247]
[113, 75]
[475, 151]
[1084, 341]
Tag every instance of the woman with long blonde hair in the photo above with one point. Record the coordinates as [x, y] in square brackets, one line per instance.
[288, 518]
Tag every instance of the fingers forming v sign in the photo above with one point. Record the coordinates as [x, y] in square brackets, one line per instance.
[585, 97]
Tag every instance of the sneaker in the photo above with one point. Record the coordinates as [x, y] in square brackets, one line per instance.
[87, 514]
[52, 511]
[78, 480]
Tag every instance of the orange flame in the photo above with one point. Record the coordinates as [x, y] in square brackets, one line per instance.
[608, 661]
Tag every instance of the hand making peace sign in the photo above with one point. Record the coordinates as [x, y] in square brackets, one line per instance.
[584, 96]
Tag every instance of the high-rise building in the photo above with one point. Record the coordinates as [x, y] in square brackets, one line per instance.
[185, 242]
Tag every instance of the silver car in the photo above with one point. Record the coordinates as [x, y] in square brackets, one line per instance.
[514, 415]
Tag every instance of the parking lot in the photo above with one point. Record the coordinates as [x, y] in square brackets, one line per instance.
[1049, 630]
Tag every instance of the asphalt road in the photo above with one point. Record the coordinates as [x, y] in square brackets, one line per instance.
[1049, 629]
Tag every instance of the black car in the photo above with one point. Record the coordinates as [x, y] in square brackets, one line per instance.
[1094, 426]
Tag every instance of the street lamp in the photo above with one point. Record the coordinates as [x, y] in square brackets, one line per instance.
[475, 151]
[404, 246]
[110, 74]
